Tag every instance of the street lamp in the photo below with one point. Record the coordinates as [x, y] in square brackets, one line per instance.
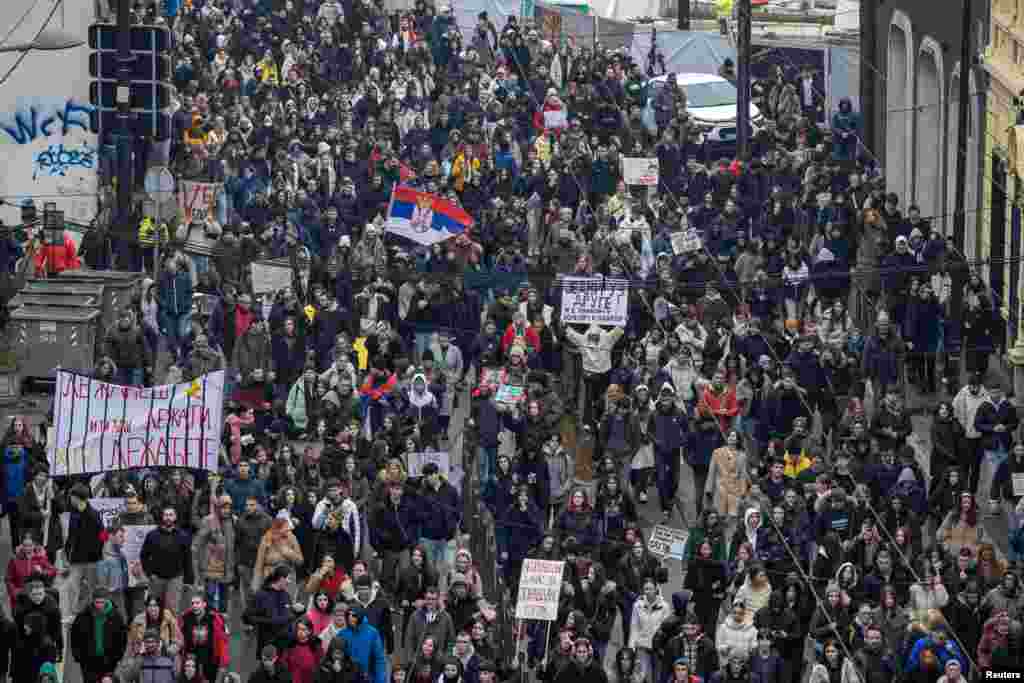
[48, 40]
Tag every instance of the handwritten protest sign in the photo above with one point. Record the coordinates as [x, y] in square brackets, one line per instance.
[270, 277]
[686, 242]
[667, 542]
[134, 537]
[601, 301]
[102, 427]
[540, 586]
[197, 201]
[509, 394]
[640, 171]
[556, 119]
[451, 471]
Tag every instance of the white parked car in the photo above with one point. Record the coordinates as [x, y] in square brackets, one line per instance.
[710, 101]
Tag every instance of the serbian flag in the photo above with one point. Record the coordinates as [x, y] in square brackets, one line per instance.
[425, 218]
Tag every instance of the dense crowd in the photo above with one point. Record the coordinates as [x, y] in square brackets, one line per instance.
[817, 520]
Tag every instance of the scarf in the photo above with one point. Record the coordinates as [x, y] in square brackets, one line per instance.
[99, 621]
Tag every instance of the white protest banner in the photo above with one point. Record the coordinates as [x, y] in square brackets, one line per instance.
[134, 537]
[101, 427]
[269, 278]
[540, 586]
[452, 472]
[1018, 483]
[197, 201]
[556, 119]
[686, 242]
[667, 542]
[640, 171]
[602, 301]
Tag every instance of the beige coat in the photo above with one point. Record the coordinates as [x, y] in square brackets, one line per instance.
[170, 634]
[275, 549]
[728, 480]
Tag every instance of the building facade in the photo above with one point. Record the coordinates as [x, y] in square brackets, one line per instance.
[1003, 174]
[915, 109]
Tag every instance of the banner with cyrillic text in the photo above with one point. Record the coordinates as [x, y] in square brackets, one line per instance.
[540, 586]
[597, 300]
[102, 427]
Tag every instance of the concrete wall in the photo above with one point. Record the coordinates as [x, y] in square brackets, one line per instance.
[47, 148]
[917, 54]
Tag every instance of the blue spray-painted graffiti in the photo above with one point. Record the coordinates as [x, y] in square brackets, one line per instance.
[57, 160]
[31, 123]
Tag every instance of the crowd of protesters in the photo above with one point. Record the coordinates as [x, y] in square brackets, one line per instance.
[817, 519]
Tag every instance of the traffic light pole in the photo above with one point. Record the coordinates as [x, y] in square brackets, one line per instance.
[743, 80]
[960, 202]
[124, 131]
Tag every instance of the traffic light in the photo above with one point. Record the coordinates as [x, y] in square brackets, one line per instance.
[143, 38]
[149, 96]
[145, 70]
[104, 66]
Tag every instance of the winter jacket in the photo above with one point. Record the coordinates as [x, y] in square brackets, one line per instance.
[84, 543]
[986, 419]
[396, 528]
[848, 673]
[252, 352]
[168, 628]
[367, 649]
[175, 294]
[647, 617]
[215, 531]
[112, 570]
[270, 611]
[735, 638]
[23, 565]
[965, 408]
[274, 551]
[167, 554]
[84, 639]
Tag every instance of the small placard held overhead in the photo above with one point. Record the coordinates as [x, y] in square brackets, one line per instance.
[540, 587]
[667, 542]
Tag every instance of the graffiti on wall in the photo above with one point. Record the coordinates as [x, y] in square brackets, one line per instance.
[51, 153]
[57, 160]
[34, 122]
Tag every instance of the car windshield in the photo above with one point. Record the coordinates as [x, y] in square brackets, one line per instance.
[710, 94]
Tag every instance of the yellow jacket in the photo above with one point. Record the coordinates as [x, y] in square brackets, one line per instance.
[723, 9]
[269, 72]
[459, 170]
[148, 232]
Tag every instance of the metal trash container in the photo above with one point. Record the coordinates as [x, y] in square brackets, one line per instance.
[45, 337]
[62, 294]
[118, 287]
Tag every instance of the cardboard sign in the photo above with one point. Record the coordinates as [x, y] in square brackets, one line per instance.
[510, 395]
[667, 542]
[1018, 484]
[686, 242]
[134, 537]
[556, 118]
[594, 300]
[540, 587]
[640, 171]
[103, 427]
[197, 201]
[269, 278]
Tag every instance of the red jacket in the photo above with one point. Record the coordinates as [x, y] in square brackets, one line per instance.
[57, 259]
[23, 565]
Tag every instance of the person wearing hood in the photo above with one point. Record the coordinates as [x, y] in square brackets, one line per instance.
[35, 604]
[753, 533]
[781, 626]
[99, 636]
[736, 635]
[937, 641]
[365, 646]
[649, 612]
[832, 619]
[422, 409]
[595, 345]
